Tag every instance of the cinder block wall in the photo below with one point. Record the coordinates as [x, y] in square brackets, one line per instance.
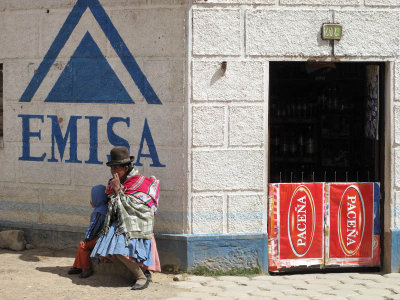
[228, 110]
[51, 192]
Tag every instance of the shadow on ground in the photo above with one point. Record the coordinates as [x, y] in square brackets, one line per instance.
[96, 280]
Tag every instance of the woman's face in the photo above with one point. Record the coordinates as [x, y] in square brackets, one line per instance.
[120, 170]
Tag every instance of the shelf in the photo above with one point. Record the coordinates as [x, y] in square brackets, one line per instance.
[338, 137]
[297, 160]
[293, 120]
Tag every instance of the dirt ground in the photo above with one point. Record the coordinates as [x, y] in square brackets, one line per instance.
[42, 274]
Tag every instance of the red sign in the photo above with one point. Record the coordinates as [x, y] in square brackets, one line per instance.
[351, 220]
[323, 224]
[301, 221]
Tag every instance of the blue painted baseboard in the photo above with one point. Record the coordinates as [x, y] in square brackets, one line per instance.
[395, 250]
[215, 252]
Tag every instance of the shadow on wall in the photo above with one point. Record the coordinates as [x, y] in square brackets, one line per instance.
[219, 73]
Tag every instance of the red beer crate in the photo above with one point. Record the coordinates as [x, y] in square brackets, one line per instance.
[296, 225]
[352, 224]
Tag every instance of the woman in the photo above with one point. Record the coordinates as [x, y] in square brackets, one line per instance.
[127, 234]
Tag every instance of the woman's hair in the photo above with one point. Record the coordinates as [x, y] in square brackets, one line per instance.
[130, 167]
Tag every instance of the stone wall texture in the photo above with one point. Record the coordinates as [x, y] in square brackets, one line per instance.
[207, 138]
[49, 164]
[233, 141]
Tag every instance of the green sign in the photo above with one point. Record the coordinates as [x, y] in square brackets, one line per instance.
[331, 31]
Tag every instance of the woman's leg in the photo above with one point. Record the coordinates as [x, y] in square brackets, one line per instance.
[141, 281]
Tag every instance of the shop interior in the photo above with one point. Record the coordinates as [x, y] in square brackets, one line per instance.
[320, 117]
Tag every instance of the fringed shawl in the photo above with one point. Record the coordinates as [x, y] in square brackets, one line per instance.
[133, 207]
[142, 188]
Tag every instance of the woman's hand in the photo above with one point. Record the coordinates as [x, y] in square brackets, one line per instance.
[115, 183]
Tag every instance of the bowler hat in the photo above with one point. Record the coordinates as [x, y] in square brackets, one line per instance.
[119, 156]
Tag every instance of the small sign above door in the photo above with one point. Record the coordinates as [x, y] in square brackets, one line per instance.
[331, 31]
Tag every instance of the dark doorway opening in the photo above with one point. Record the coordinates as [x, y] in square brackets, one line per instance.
[322, 127]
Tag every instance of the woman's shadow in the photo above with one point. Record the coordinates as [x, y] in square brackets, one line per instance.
[113, 274]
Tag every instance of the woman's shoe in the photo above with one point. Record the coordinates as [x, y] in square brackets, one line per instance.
[137, 286]
[147, 274]
[86, 274]
[74, 270]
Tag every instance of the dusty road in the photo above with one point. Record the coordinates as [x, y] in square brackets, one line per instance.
[42, 274]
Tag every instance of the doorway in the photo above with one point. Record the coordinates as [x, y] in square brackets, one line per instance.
[321, 126]
[326, 129]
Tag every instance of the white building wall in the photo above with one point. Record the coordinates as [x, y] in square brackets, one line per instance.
[57, 193]
[211, 129]
[248, 37]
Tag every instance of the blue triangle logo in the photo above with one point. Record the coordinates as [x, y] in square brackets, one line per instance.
[88, 77]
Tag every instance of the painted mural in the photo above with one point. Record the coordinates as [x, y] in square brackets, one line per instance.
[87, 78]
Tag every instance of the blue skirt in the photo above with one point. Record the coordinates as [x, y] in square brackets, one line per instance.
[111, 243]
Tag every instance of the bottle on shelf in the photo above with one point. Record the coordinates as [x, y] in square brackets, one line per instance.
[284, 146]
[275, 144]
[293, 145]
[310, 147]
[301, 143]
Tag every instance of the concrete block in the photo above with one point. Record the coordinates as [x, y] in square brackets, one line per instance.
[158, 32]
[397, 80]
[13, 123]
[396, 119]
[12, 239]
[397, 167]
[164, 121]
[248, 218]
[19, 37]
[379, 36]
[242, 81]
[381, 3]
[89, 175]
[172, 212]
[264, 2]
[12, 192]
[207, 214]
[8, 156]
[129, 2]
[246, 125]
[208, 126]
[27, 5]
[321, 2]
[174, 161]
[33, 171]
[64, 219]
[216, 32]
[228, 170]
[51, 23]
[166, 2]
[19, 216]
[75, 210]
[126, 79]
[395, 211]
[65, 195]
[16, 77]
[167, 79]
[160, 225]
[286, 32]
[172, 202]
[19, 206]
